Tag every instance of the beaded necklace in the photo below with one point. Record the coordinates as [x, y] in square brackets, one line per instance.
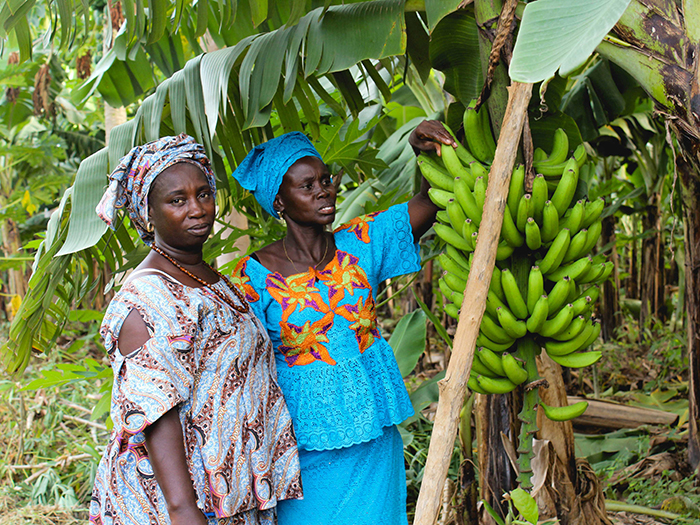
[243, 308]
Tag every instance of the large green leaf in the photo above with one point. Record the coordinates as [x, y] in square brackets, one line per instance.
[85, 227]
[560, 35]
[436, 10]
[454, 50]
[408, 341]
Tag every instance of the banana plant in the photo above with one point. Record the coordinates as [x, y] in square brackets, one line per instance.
[656, 43]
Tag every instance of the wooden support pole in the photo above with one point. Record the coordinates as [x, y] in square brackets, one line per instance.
[453, 386]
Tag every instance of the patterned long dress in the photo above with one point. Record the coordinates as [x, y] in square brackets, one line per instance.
[216, 366]
[338, 374]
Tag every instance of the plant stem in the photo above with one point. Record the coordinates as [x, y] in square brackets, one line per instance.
[528, 350]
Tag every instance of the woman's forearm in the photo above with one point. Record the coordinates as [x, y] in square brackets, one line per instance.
[166, 451]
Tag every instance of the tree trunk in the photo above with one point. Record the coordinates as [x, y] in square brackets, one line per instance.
[569, 489]
[651, 277]
[496, 415]
[688, 167]
[610, 308]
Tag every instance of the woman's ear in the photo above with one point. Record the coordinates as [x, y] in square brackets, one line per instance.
[277, 205]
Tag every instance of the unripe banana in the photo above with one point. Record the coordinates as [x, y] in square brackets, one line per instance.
[435, 176]
[452, 163]
[523, 212]
[578, 359]
[482, 340]
[550, 222]
[539, 155]
[559, 294]
[495, 284]
[464, 156]
[593, 211]
[559, 322]
[516, 189]
[456, 216]
[573, 270]
[496, 385]
[479, 367]
[575, 250]
[465, 198]
[455, 283]
[594, 272]
[494, 331]
[509, 231]
[539, 315]
[504, 251]
[469, 230]
[450, 266]
[512, 326]
[491, 361]
[479, 139]
[582, 305]
[573, 217]
[539, 197]
[533, 239]
[609, 266]
[475, 387]
[514, 371]
[556, 252]
[514, 298]
[566, 188]
[560, 148]
[480, 192]
[479, 170]
[450, 236]
[592, 337]
[567, 347]
[458, 257]
[594, 231]
[555, 170]
[452, 310]
[575, 328]
[440, 197]
[565, 413]
[535, 287]
[443, 218]
[492, 303]
[450, 295]
[472, 239]
[592, 291]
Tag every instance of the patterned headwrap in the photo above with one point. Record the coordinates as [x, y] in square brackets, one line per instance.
[262, 170]
[131, 180]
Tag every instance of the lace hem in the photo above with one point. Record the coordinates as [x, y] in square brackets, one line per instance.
[347, 404]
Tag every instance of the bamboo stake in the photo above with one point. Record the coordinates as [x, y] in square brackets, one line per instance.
[453, 386]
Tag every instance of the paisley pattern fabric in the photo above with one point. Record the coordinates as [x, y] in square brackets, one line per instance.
[216, 366]
[338, 374]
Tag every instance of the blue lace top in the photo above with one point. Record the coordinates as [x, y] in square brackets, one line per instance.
[338, 375]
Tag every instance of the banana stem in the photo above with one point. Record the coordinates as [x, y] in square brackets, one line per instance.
[528, 350]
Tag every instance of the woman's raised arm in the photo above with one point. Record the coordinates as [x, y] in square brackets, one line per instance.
[429, 135]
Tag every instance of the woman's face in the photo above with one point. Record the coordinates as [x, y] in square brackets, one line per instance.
[181, 207]
[307, 194]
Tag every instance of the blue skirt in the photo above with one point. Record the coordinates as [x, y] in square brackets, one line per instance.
[363, 484]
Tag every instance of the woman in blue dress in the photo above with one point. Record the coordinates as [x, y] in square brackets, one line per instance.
[315, 292]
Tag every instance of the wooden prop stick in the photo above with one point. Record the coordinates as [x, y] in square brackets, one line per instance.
[453, 386]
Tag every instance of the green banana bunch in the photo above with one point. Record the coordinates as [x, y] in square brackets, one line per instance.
[547, 227]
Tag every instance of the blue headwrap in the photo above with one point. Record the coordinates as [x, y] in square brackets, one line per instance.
[131, 180]
[262, 170]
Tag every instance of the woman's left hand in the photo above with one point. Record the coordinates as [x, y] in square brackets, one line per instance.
[429, 136]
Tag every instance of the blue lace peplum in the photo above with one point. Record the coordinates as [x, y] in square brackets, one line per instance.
[338, 375]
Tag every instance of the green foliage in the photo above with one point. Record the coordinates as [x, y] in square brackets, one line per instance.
[560, 35]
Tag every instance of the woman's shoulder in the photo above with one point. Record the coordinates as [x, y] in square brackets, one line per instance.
[364, 227]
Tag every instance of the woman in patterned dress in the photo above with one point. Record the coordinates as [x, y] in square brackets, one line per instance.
[315, 290]
[201, 434]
